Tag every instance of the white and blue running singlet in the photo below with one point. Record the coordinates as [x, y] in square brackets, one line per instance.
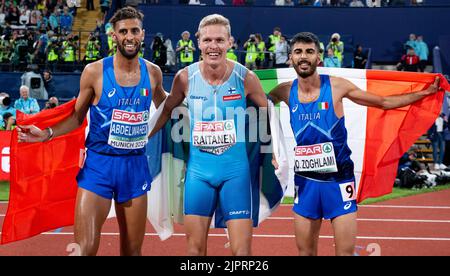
[218, 169]
[115, 165]
[324, 177]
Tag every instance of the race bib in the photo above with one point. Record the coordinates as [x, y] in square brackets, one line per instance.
[214, 137]
[348, 192]
[315, 158]
[129, 130]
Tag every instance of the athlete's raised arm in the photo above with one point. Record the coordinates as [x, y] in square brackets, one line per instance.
[368, 99]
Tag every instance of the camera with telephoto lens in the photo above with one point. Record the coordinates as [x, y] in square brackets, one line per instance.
[252, 38]
[334, 39]
[5, 100]
[186, 51]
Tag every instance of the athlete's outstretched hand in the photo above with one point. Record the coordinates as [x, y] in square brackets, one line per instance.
[32, 134]
[434, 87]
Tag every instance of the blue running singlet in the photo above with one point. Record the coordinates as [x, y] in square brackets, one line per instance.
[218, 169]
[118, 123]
[324, 177]
[115, 164]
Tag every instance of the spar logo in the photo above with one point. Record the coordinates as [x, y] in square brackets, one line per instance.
[308, 150]
[129, 117]
[213, 126]
[5, 159]
[327, 148]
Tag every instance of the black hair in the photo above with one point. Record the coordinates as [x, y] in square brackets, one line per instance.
[126, 13]
[305, 37]
[6, 116]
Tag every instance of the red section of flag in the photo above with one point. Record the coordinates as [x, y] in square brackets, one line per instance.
[43, 185]
[5, 139]
[390, 133]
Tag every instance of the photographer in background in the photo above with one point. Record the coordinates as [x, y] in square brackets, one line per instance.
[51, 103]
[159, 51]
[92, 49]
[5, 108]
[337, 46]
[69, 52]
[252, 52]
[186, 48]
[9, 122]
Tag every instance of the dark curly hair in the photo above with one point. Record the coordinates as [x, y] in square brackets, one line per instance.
[126, 13]
[305, 37]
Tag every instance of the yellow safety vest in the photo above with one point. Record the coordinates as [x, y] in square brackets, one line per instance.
[273, 40]
[231, 55]
[91, 51]
[69, 52]
[111, 45]
[261, 46]
[252, 53]
[52, 56]
[186, 56]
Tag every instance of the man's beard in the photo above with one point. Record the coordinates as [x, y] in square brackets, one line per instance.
[304, 74]
[126, 54]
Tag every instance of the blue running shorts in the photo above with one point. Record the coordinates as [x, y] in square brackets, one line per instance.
[122, 177]
[318, 199]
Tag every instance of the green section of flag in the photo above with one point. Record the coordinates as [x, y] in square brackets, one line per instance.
[144, 92]
[323, 106]
[268, 78]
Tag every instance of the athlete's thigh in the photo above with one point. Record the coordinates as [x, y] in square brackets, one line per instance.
[306, 229]
[197, 227]
[236, 196]
[240, 235]
[132, 218]
[91, 211]
[200, 197]
[307, 234]
[345, 229]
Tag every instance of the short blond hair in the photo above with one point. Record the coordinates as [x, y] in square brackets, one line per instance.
[215, 19]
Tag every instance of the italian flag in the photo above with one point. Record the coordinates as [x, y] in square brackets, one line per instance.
[144, 92]
[323, 105]
[377, 138]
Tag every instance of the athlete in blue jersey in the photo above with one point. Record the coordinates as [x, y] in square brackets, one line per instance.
[218, 169]
[324, 177]
[118, 92]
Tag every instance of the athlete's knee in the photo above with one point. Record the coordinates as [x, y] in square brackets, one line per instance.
[131, 248]
[88, 248]
[131, 252]
[348, 250]
[196, 248]
[307, 249]
[241, 251]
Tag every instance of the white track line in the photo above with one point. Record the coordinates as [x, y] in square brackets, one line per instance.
[362, 206]
[364, 219]
[404, 206]
[376, 219]
[271, 236]
[392, 206]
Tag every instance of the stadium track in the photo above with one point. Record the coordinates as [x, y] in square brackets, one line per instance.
[415, 225]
